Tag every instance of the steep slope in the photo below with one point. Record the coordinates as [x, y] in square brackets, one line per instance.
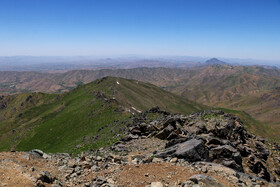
[225, 86]
[18, 82]
[87, 117]
[251, 90]
[264, 106]
[226, 83]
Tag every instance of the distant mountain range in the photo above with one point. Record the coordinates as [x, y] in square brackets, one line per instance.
[60, 64]
[118, 125]
[215, 61]
[253, 89]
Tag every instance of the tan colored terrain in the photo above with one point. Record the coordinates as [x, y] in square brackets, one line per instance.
[18, 169]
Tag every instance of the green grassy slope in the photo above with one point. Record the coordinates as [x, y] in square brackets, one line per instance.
[13, 122]
[84, 118]
[144, 96]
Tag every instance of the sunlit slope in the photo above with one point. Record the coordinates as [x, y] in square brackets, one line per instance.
[86, 117]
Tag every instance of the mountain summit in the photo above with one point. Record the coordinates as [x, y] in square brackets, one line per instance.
[215, 61]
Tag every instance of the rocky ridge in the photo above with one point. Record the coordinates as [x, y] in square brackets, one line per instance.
[209, 148]
[212, 136]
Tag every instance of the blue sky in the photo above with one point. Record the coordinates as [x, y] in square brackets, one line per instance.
[210, 28]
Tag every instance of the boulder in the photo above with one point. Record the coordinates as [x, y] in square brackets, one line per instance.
[191, 150]
[180, 129]
[37, 151]
[98, 181]
[214, 141]
[57, 183]
[39, 184]
[169, 121]
[163, 134]
[277, 171]
[147, 129]
[223, 129]
[205, 180]
[218, 168]
[129, 137]
[45, 176]
[136, 132]
[176, 141]
[258, 168]
[197, 128]
[232, 164]
[156, 184]
[72, 163]
[172, 135]
[263, 152]
[119, 147]
[229, 129]
[227, 156]
[244, 150]
[36, 154]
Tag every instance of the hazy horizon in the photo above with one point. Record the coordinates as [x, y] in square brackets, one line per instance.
[234, 29]
[182, 58]
[67, 63]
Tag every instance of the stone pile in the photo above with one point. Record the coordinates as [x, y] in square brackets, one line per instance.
[211, 136]
[211, 142]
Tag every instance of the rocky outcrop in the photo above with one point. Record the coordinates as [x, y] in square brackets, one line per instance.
[228, 156]
[211, 145]
[191, 150]
[212, 136]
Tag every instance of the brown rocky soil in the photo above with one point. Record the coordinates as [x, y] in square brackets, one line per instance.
[171, 175]
[22, 169]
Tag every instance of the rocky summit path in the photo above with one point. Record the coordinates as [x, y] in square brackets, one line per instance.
[209, 148]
